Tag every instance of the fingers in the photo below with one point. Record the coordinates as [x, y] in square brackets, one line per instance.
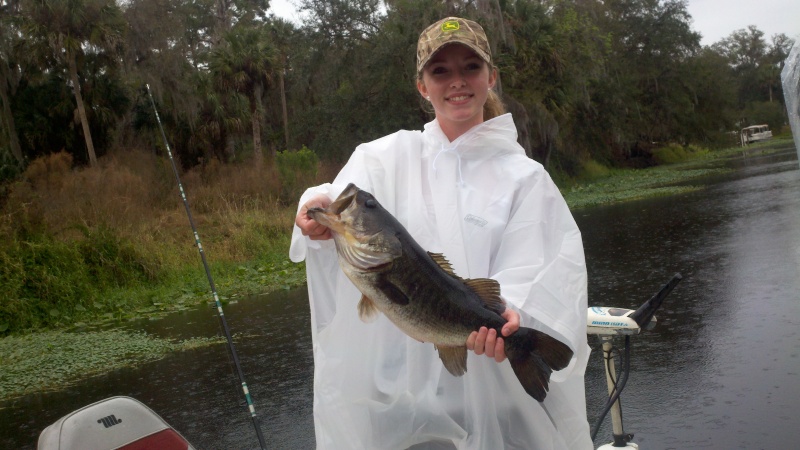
[477, 341]
[486, 341]
[315, 231]
[308, 226]
[500, 350]
[471, 340]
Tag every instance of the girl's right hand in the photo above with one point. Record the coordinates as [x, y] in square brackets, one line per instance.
[310, 227]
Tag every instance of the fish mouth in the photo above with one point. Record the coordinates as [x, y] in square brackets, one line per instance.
[331, 216]
[344, 199]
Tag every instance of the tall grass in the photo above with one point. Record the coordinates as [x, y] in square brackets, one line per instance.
[84, 244]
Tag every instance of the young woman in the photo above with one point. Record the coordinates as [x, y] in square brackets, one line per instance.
[462, 187]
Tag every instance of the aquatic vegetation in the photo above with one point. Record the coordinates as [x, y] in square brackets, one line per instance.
[50, 360]
[634, 184]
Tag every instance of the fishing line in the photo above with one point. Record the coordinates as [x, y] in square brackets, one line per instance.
[221, 314]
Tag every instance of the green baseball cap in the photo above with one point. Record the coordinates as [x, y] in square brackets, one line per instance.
[452, 30]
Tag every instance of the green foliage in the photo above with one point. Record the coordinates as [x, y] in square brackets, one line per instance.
[583, 79]
[54, 359]
[674, 153]
[9, 168]
[593, 170]
[297, 170]
[770, 113]
[47, 282]
[113, 261]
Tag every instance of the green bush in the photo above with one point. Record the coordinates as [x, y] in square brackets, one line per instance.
[47, 282]
[42, 280]
[593, 170]
[112, 261]
[675, 153]
[297, 170]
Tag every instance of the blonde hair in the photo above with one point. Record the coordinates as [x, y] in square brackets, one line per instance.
[493, 107]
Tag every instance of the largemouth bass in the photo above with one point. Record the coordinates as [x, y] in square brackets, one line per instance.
[421, 294]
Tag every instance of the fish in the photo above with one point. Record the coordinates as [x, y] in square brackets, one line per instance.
[422, 295]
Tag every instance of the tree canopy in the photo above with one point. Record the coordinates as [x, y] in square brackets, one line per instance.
[584, 79]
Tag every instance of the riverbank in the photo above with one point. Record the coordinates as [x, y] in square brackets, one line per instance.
[268, 271]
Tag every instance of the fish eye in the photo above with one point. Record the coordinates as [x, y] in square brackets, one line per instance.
[370, 203]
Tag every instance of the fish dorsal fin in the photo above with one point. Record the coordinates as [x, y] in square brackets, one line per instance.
[439, 259]
[488, 290]
[367, 311]
[454, 359]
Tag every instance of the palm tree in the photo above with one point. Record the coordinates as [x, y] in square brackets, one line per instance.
[281, 32]
[9, 75]
[244, 63]
[66, 30]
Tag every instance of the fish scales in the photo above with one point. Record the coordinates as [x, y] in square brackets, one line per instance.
[421, 294]
[436, 298]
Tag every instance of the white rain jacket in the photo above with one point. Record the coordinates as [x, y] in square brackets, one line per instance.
[492, 212]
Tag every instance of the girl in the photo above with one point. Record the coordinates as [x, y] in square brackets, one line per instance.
[462, 187]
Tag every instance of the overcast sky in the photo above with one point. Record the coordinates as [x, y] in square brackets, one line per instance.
[717, 19]
[713, 19]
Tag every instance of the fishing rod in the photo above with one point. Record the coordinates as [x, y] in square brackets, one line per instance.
[221, 314]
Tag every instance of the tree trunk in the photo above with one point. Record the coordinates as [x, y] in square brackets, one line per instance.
[222, 23]
[8, 118]
[258, 156]
[283, 105]
[76, 87]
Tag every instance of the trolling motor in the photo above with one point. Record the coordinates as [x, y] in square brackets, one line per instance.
[608, 322]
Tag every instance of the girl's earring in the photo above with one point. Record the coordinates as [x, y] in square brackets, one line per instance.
[428, 98]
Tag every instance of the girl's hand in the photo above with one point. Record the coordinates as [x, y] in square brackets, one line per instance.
[308, 226]
[487, 341]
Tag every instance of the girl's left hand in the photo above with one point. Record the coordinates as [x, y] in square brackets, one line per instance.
[487, 341]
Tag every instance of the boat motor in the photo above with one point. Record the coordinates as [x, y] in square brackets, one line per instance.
[608, 322]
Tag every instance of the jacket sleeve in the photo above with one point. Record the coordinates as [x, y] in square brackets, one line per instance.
[353, 172]
[326, 282]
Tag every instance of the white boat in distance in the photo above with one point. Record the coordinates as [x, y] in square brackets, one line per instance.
[755, 133]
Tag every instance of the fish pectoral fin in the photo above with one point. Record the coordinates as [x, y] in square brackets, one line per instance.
[442, 262]
[454, 359]
[367, 311]
[488, 290]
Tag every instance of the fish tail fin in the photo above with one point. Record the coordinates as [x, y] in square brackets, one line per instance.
[534, 356]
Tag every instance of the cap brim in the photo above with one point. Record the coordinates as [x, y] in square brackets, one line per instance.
[478, 51]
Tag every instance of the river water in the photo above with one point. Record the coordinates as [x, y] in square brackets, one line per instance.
[721, 369]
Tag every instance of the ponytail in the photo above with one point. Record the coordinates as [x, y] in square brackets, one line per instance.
[493, 107]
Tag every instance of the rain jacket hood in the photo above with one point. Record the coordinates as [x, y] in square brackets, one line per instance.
[492, 212]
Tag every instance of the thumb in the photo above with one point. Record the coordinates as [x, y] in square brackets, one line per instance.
[512, 324]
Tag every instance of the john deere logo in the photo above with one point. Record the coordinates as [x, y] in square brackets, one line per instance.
[450, 25]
